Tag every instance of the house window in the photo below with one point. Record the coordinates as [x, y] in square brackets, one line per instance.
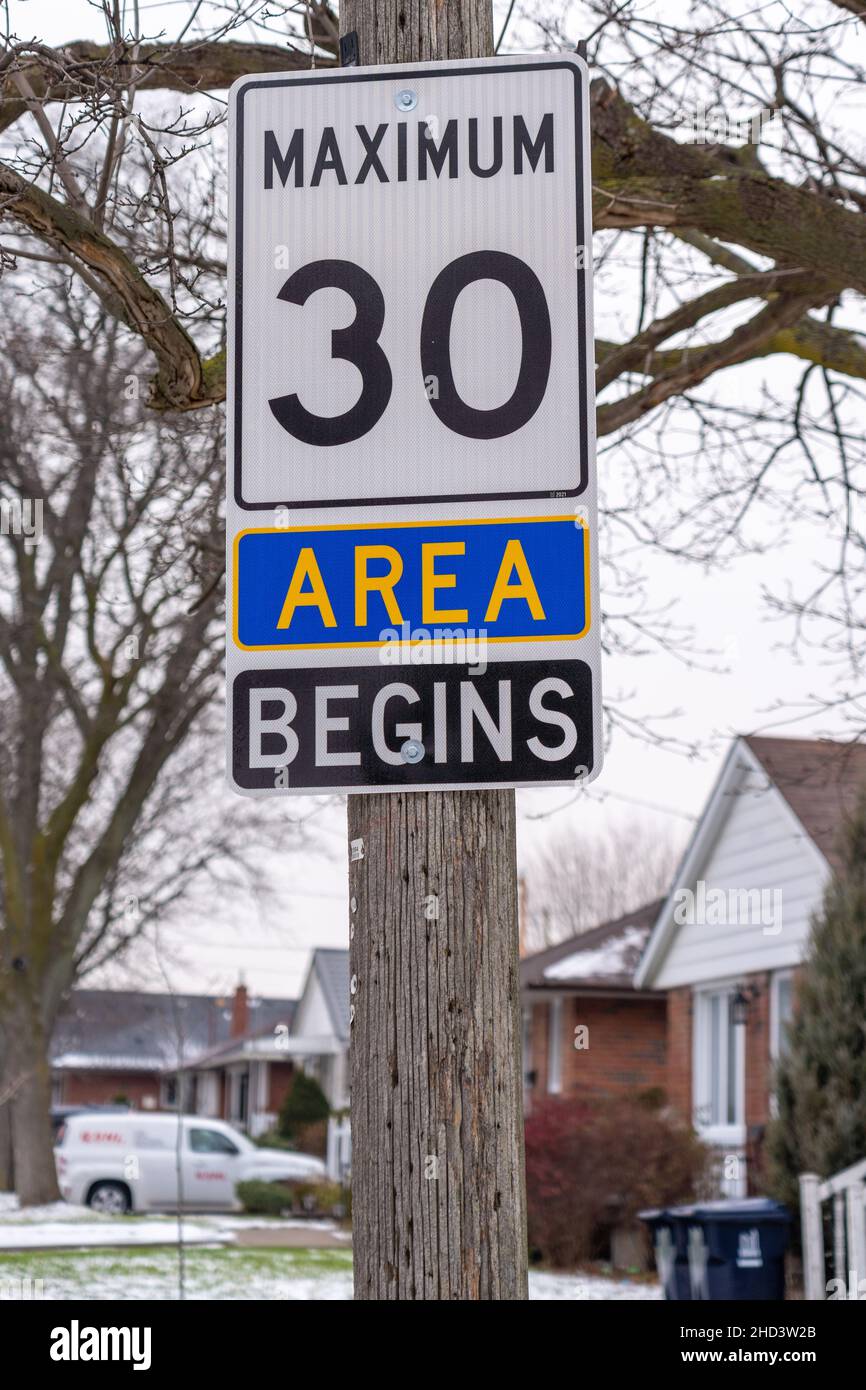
[526, 1021]
[239, 1096]
[781, 1012]
[719, 1091]
[554, 1047]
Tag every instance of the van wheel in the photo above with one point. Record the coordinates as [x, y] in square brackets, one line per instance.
[110, 1198]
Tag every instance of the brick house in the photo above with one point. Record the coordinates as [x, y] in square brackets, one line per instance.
[586, 1030]
[239, 1080]
[247, 1077]
[127, 1044]
[733, 933]
[320, 1034]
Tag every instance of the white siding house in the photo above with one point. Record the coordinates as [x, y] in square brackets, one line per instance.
[734, 930]
[749, 842]
[319, 1038]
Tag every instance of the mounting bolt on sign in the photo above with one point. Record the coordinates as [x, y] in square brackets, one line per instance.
[411, 394]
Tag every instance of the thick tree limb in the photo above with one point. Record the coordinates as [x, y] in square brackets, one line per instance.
[642, 178]
[793, 226]
[79, 70]
[836, 349]
[693, 368]
[634, 354]
[180, 382]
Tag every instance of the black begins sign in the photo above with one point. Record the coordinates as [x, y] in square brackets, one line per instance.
[390, 727]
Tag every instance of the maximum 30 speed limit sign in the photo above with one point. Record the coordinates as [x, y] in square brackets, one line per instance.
[411, 509]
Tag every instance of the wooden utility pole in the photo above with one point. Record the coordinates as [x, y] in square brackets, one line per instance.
[439, 1208]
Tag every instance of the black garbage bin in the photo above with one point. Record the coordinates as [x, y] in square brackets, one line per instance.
[736, 1249]
[667, 1227]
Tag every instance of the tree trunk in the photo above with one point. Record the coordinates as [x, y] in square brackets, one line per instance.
[439, 1208]
[7, 1167]
[28, 1071]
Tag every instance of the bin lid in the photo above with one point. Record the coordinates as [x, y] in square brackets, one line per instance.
[665, 1213]
[738, 1209]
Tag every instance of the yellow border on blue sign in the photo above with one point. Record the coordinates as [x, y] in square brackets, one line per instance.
[395, 526]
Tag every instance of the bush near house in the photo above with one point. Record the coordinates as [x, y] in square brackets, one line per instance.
[264, 1198]
[820, 1126]
[272, 1139]
[592, 1166]
[294, 1198]
[304, 1115]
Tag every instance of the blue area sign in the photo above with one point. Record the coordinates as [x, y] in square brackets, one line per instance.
[514, 580]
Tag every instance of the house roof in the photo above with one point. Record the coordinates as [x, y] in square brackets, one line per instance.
[132, 1030]
[332, 969]
[820, 780]
[602, 959]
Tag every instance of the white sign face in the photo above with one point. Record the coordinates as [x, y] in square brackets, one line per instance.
[443, 244]
[411, 429]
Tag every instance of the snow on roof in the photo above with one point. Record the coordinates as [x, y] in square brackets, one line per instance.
[108, 1061]
[612, 957]
[137, 1030]
[603, 958]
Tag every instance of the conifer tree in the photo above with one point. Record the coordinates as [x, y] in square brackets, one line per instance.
[305, 1104]
[821, 1082]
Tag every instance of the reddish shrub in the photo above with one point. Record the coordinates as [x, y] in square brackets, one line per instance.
[591, 1166]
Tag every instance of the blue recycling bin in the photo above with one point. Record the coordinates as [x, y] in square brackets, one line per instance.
[667, 1227]
[736, 1249]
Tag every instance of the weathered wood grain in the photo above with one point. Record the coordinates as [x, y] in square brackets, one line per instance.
[439, 1207]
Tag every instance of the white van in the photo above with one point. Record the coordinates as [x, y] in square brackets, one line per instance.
[130, 1162]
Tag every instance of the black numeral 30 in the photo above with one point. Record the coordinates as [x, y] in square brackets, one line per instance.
[359, 344]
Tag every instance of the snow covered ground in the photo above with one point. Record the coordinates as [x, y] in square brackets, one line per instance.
[232, 1274]
[544, 1287]
[63, 1225]
[63, 1252]
[61, 1212]
[77, 1234]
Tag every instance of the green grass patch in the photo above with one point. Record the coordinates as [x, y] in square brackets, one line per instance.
[78, 1268]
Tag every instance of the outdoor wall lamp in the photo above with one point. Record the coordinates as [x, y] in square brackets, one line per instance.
[741, 1002]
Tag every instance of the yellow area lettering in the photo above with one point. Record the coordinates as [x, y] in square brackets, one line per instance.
[307, 568]
[431, 581]
[377, 583]
[514, 561]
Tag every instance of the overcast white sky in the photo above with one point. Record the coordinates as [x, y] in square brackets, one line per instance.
[271, 945]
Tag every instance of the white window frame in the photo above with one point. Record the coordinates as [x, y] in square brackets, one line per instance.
[526, 1021]
[726, 1133]
[777, 978]
[208, 1095]
[776, 1029]
[554, 1047]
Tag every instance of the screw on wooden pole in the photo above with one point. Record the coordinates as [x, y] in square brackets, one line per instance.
[438, 1206]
